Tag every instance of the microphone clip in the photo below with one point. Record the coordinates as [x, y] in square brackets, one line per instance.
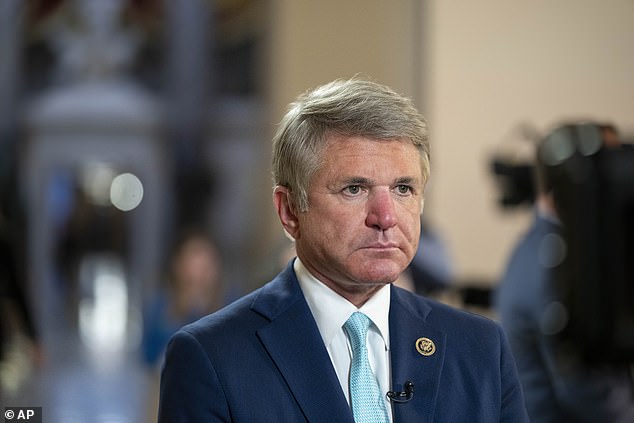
[403, 396]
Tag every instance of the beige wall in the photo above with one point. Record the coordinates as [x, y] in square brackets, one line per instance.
[477, 70]
[316, 41]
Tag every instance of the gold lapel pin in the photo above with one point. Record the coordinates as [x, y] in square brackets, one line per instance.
[425, 346]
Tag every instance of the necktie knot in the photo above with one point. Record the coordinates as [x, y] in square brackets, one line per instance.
[357, 328]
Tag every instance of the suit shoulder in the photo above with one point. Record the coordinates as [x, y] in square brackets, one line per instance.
[243, 317]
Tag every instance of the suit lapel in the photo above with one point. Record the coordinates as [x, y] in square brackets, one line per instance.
[407, 330]
[293, 341]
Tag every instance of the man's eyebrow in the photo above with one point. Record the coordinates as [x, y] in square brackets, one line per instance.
[356, 180]
[407, 180]
[360, 180]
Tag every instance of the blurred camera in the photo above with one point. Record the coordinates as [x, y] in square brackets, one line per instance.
[592, 181]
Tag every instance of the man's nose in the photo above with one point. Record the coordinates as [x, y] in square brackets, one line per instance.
[381, 210]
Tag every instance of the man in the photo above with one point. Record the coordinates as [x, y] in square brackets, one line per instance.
[350, 165]
[558, 387]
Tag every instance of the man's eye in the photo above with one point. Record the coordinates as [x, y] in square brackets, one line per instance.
[353, 189]
[404, 189]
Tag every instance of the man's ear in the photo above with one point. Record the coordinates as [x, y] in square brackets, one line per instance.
[286, 210]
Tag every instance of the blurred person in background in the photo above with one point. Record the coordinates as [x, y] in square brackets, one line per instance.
[350, 165]
[431, 270]
[556, 388]
[192, 289]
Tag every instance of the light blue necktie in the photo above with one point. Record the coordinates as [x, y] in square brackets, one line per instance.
[367, 402]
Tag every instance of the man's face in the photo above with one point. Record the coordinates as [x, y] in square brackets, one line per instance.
[362, 226]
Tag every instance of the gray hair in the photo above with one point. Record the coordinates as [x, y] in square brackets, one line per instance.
[347, 108]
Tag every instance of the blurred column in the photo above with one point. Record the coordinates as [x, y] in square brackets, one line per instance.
[10, 43]
[189, 71]
[11, 21]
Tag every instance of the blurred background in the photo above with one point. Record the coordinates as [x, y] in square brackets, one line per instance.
[135, 148]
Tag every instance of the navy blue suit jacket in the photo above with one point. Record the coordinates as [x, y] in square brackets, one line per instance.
[262, 359]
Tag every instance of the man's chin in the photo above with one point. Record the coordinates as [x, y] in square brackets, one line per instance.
[380, 273]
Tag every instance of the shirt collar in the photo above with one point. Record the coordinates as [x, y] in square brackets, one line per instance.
[331, 310]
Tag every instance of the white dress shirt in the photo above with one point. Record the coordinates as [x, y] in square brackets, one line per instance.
[331, 311]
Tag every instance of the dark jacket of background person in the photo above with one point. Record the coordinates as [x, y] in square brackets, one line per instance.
[556, 388]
